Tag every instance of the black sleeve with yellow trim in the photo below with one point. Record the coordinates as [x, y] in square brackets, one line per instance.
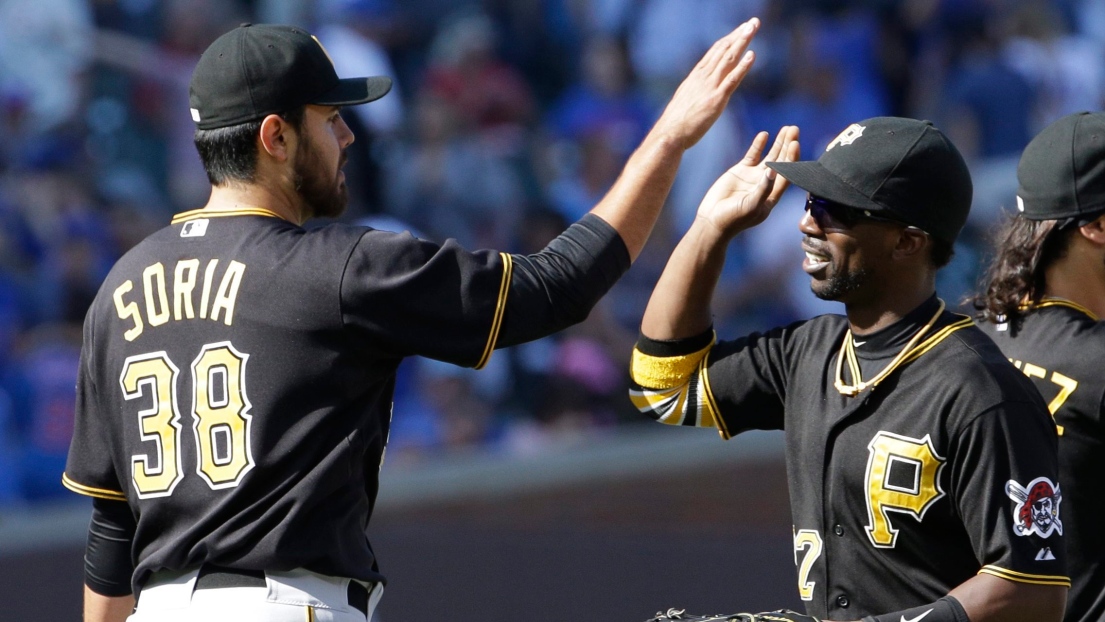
[557, 287]
[89, 469]
[731, 385]
[1006, 487]
[407, 296]
[415, 297]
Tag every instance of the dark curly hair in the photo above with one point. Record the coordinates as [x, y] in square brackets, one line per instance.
[1025, 250]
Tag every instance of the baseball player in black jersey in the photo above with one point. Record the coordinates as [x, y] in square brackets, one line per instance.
[235, 384]
[922, 466]
[1044, 296]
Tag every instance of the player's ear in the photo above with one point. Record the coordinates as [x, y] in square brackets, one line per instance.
[1094, 231]
[276, 137]
[912, 242]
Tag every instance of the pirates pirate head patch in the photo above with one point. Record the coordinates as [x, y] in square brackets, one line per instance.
[1037, 510]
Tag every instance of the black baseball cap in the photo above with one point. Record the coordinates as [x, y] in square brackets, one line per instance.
[261, 69]
[1061, 175]
[905, 169]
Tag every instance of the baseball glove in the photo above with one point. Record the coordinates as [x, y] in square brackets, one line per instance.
[782, 615]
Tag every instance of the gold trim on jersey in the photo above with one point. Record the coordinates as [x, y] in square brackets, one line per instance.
[210, 213]
[711, 402]
[666, 372]
[673, 390]
[310, 614]
[500, 310]
[1054, 301]
[1023, 577]
[848, 351]
[936, 338]
[647, 400]
[89, 491]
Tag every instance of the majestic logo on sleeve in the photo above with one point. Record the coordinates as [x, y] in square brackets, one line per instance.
[1037, 510]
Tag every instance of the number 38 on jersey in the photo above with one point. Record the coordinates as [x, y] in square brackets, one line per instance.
[220, 419]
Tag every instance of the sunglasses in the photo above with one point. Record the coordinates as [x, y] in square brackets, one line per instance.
[833, 215]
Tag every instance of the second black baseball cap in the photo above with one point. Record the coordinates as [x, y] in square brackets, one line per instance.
[261, 69]
[1061, 175]
[904, 168]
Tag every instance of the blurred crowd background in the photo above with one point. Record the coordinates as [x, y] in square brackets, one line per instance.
[509, 120]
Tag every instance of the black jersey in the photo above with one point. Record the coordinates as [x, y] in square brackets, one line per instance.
[1061, 347]
[237, 373]
[945, 469]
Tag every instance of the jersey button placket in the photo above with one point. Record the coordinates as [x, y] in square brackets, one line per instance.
[842, 601]
[838, 530]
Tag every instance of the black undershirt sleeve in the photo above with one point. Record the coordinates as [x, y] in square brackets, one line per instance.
[108, 564]
[674, 347]
[559, 286]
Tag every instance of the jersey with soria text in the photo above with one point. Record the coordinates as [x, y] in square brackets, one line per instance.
[237, 373]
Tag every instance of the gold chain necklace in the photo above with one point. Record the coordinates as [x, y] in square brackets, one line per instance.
[848, 350]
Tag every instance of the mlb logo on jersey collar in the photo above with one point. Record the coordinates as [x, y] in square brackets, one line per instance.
[194, 228]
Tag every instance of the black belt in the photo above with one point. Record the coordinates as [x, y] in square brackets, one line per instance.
[216, 576]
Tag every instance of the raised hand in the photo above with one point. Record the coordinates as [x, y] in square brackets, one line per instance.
[746, 193]
[705, 92]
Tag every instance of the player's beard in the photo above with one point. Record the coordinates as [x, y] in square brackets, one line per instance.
[323, 197]
[839, 285]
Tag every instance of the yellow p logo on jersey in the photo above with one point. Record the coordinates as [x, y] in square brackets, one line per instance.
[902, 476]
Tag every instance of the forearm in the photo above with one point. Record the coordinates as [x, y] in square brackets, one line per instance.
[107, 562]
[633, 203]
[100, 608]
[680, 303]
[558, 287]
[987, 598]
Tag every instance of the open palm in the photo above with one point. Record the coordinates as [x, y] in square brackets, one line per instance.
[746, 193]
